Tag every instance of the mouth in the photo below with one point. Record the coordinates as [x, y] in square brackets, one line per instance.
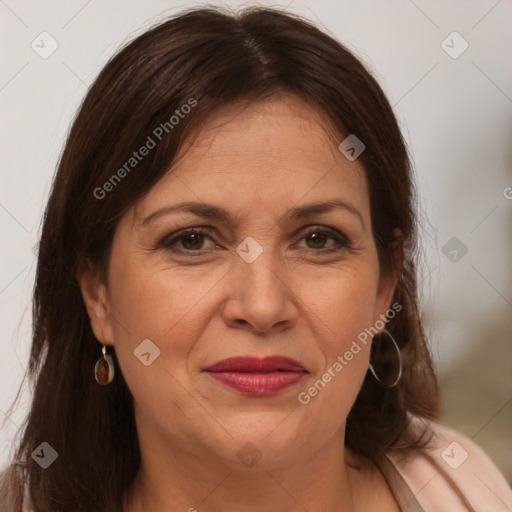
[259, 377]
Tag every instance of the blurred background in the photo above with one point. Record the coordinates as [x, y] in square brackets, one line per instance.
[445, 67]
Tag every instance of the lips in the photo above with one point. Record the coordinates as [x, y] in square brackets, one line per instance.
[255, 376]
[254, 364]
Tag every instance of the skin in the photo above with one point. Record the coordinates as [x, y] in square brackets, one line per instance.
[293, 300]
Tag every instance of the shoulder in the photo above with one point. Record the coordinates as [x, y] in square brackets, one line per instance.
[452, 472]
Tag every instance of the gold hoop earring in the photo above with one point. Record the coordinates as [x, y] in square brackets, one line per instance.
[385, 360]
[104, 369]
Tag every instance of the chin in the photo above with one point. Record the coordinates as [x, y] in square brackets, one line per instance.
[260, 445]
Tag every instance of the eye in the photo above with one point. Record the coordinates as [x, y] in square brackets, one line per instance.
[191, 240]
[316, 239]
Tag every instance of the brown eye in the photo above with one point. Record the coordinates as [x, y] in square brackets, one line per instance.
[191, 240]
[318, 238]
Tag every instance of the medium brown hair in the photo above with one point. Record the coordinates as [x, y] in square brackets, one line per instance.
[217, 57]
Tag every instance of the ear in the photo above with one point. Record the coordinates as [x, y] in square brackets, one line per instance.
[94, 294]
[387, 283]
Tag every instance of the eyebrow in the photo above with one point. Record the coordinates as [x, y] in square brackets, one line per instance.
[210, 211]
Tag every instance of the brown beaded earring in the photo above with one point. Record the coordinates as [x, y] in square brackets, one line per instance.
[104, 368]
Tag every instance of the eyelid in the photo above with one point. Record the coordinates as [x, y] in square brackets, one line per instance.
[312, 228]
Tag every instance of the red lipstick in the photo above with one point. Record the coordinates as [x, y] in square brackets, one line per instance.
[255, 376]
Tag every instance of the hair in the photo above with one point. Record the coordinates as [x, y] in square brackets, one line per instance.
[215, 57]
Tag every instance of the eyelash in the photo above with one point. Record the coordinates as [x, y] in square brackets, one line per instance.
[168, 241]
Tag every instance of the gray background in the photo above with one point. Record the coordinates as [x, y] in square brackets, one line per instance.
[455, 114]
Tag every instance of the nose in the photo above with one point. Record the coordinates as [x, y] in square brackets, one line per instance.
[261, 298]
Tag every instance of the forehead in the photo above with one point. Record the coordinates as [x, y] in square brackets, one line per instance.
[267, 155]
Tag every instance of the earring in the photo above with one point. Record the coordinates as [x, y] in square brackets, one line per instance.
[385, 360]
[104, 368]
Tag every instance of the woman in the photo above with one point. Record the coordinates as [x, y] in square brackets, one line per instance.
[225, 309]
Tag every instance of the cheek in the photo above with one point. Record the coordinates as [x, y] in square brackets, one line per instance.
[344, 305]
[171, 308]
[346, 308]
[156, 303]
[159, 306]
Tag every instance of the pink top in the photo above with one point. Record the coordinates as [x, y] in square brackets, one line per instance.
[453, 475]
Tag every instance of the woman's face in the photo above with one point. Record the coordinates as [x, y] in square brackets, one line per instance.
[268, 278]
